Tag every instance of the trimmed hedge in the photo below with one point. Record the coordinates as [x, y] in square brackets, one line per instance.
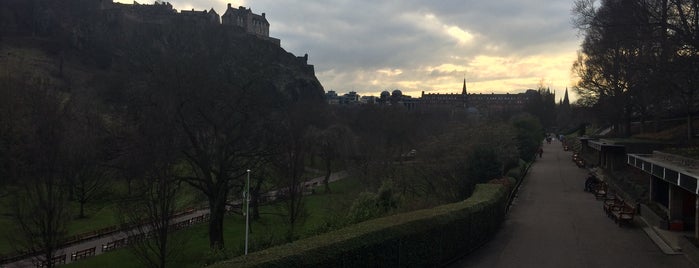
[428, 237]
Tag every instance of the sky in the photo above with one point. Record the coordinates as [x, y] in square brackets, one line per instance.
[367, 46]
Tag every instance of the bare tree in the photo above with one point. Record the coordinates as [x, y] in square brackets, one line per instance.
[151, 154]
[40, 206]
[41, 213]
[294, 146]
[85, 169]
[639, 58]
[333, 143]
[220, 129]
[151, 211]
[220, 91]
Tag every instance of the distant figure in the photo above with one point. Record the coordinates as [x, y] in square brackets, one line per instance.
[541, 151]
[548, 140]
[590, 183]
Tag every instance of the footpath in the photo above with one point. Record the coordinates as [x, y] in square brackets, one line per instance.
[554, 223]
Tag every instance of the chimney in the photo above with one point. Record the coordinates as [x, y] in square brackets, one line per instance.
[229, 5]
[263, 15]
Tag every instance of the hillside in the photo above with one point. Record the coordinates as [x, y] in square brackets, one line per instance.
[81, 46]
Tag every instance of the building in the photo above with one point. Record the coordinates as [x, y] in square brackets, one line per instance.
[332, 98]
[204, 17]
[491, 103]
[244, 18]
[674, 186]
[163, 13]
[350, 98]
[472, 103]
[450, 100]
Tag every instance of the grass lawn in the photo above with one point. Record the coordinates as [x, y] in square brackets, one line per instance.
[100, 213]
[323, 209]
[5, 222]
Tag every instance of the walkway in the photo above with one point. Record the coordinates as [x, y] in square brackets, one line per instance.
[554, 223]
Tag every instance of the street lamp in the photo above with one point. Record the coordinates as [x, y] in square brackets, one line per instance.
[247, 211]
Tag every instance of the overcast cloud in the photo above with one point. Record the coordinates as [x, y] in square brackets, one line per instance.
[370, 46]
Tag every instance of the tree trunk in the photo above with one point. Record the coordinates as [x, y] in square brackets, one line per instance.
[217, 209]
[255, 202]
[328, 172]
[48, 255]
[162, 257]
[82, 209]
[689, 127]
[128, 185]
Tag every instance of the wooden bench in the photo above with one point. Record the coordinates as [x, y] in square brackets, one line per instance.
[612, 204]
[601, 191]
[624, 215]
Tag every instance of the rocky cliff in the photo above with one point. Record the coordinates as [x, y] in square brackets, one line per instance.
[81, 45]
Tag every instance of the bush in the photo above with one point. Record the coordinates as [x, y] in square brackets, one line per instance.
[484, 164]
[422, 238]
[370, 205]
[529, 135]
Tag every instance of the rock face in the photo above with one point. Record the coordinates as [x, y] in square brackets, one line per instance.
[106, 44]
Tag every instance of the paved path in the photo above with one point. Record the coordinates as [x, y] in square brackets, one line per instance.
[554, 223]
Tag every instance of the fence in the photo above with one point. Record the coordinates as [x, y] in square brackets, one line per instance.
[81, 254]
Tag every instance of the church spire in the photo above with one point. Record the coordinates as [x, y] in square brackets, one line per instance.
[463, 90]
[565, 98]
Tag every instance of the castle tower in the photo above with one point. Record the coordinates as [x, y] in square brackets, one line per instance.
[244, 18]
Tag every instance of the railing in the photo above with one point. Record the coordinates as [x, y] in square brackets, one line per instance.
[54, 261]
[79, 255]
[114, 245]
[75, 239]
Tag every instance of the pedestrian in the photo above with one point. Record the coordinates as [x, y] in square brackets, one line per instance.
[590, 183]
[541, 151]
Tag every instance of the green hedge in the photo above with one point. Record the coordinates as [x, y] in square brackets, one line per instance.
[428, 237]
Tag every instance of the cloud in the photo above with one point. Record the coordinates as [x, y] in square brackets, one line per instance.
[370, 46]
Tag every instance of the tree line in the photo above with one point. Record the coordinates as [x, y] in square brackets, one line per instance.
[639, 60]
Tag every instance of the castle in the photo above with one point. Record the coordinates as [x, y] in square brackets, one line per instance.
[163, 13]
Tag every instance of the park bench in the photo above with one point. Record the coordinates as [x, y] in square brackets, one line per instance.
[612, 204]
[624, 215]
[601, 190]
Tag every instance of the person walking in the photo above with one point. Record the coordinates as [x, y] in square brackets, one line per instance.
[541, 151]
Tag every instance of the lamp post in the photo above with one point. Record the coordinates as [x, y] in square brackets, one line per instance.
[247, 211]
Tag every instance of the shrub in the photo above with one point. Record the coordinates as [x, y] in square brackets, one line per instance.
[422, 238]
[370, 205]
